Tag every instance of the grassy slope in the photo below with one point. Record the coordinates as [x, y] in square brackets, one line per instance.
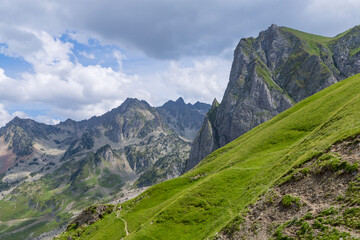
[51, 195]
[200, 203]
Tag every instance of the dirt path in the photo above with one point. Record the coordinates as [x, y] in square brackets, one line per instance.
[118, 216]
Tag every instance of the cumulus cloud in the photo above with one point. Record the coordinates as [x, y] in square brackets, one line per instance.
[83, 91]
[203, 80]
[169, 30]
[5, 116]
[87, 55]
[173, 48]
[74, 90]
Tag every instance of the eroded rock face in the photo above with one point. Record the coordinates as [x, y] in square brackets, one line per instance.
[205, 142]
[319, 200]
[271, 73]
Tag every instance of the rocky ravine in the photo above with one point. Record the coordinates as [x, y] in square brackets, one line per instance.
[269, 74]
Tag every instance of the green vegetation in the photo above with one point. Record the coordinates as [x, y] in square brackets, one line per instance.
[326, 222]
[305, 230]
[262, 71]
[47, 203]
[289, 200]
[203, 201]
[315, 43]
[320, 45]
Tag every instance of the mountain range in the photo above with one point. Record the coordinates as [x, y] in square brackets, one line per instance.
[48, 171]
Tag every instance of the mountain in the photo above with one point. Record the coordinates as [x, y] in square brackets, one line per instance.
[271, 73]
[184, 119]
[298, 165]
[47, 172]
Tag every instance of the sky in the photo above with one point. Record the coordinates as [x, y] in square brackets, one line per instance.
[76, 59]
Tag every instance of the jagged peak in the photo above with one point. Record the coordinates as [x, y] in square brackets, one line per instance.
[271, 31]
[21, 121]
[131, 103]
[68, 121]
[135, 101]
[17, 120]
[130, 100]
[214, 104]
[274, 26]
[180, 100]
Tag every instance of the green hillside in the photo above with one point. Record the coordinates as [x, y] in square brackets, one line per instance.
[202, 202]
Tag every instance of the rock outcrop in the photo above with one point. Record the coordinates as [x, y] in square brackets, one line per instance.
[269, 74]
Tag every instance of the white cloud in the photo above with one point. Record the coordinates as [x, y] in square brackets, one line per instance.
[77, 91]
[201, 81]
[161, 29]
[87, 55]
[5, 116]
[170, 30]
[72, 88]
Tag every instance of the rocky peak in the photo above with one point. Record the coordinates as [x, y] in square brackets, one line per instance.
[184, 119]
[133, 103]
[214, 104]
[180, 100]
[20, 133]
[269, 74]
[128, 106]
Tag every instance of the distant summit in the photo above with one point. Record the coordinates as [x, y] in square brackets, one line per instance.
[184, 119]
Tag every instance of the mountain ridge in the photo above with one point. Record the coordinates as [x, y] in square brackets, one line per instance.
[272, 72]
[61, 168]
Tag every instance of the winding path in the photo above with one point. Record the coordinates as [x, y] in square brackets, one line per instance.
[118, 216]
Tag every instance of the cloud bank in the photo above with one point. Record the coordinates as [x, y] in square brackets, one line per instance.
[82, 58]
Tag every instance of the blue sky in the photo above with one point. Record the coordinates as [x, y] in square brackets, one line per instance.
[75, 59]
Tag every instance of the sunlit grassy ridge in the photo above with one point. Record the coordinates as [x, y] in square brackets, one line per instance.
[200, 203]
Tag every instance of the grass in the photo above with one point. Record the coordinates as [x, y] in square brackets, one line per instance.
[289, 200]
[79, 182]
[203, 201]
[315, 44]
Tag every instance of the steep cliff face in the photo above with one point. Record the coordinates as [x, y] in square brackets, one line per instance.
[204, 141]
[269, 74]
